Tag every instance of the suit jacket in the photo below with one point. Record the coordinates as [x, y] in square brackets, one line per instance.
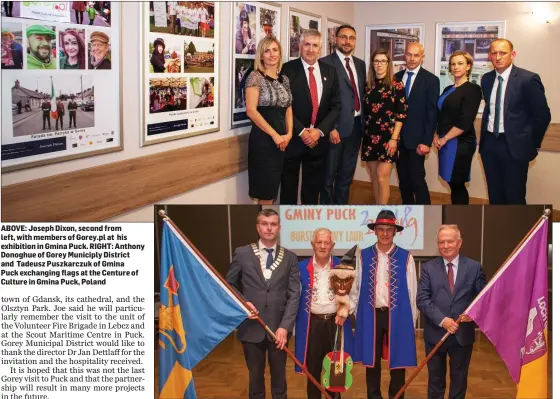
[526, 112]
[302, 108]
[345, 122]
[420, 125]
[435, 301]
[276, 300]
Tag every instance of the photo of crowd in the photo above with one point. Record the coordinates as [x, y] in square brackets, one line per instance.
[298, 23]
[12, 50]
[245, 29]
[41, 47]
[164, 58]
[72, 49]
[99, 50]
[267, 22]
[201, 94]
[189, 18]
[168, 94]
[199, 55]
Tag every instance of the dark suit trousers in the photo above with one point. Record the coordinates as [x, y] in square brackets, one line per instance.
[312, 175]
[373, 374]
[412, 178]
[459, 359]
[340, 167]
[255, 357]
[506, 177]
[319, 342]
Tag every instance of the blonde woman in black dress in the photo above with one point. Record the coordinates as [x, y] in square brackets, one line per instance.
[269, 106]
[384, 111]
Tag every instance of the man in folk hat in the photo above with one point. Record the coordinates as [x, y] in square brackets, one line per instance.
[318, 316]
[387, 308]
[99, 51]
[39, 39]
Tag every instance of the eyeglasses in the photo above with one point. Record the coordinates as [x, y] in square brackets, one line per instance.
[380, 62]
[344, 37]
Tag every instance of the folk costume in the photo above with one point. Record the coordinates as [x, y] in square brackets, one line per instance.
[385, 320]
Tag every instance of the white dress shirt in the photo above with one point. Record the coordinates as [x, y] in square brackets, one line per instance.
[505, 76]
[382, 281]
[323, 299]
[264, 254]
[353, 68]
[405, 76]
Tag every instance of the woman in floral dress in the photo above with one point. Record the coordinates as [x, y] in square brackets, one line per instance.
[385, 110]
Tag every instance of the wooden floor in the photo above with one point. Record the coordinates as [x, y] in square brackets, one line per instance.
[223, 375]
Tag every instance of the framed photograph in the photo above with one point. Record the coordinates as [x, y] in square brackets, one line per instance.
[299, 21]
[394, 38]
[62, 78]
[179, 63]
[329, 43]
[251, 22]
[471, 37]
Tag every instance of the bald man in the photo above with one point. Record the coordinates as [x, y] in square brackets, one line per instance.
[422, 91]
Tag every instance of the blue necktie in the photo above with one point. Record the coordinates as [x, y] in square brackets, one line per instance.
[498, 108]
[408, 83]
[269, 259]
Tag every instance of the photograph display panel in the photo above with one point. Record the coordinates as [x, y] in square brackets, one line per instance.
[329, 44]
[394, 38]
[298, 21]
[252, 21]
[471, 37]
[180, 58]
[61, 86]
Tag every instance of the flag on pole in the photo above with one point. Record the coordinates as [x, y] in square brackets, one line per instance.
[54, 114]
[512, 311]
[197, 312]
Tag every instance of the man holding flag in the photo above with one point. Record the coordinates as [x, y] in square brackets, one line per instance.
[268, 277]
[447, 286]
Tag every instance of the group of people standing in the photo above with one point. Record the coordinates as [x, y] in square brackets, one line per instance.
[192, 19]
[384, 300]
[60, 112]
[316, 114]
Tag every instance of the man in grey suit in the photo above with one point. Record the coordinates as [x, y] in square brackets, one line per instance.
[267, 275]
[448, 284]
[346, 136]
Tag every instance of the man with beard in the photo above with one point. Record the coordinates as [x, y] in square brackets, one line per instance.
[39, 48]
[346, 135]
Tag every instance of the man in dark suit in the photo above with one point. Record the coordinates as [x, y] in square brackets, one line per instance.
[448, 284]
[315, 108]
[514, 122]
[346, 135]
[267, 275]
[422, 91]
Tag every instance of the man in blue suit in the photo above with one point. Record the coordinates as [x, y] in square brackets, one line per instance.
[448, 284]
[346, 136]
[422, 92]
[514, 122]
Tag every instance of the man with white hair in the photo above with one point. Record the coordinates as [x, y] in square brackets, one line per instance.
[448, 284]
[317, 318]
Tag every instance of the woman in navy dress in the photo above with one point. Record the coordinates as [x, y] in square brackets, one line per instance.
[456, 137]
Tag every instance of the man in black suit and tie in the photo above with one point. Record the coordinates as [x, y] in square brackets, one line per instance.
[315, 106]
[346, 135]
[267, 275]
[422, 92]
[515, 119]
[448, 284]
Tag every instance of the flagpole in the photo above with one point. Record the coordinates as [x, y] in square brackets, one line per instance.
[545, 215]
[166, 218]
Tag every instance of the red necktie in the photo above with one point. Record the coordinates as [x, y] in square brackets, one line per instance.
[314, 95]
[450, 277]
[356, 96]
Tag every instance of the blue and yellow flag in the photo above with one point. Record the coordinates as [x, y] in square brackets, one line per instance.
[197, 312]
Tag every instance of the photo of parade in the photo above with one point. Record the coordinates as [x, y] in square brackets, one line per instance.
[201, 94]
[189, 18]
[12, 50]
[268, 23]
[168, 94]
[42, 104]
[199, 55]
[99, 50]
[72, 49]
[164, 58]
[96, 13]
[245, 28]
[41, 47]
